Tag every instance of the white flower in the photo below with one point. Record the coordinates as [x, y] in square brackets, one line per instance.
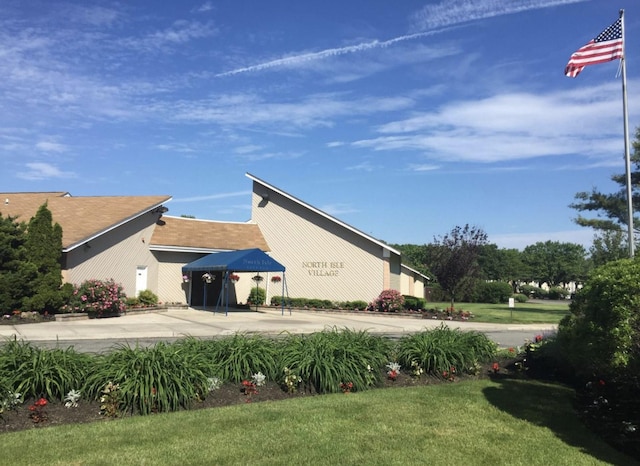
[393, 366]
[213, 383]
[258, 379]
[72, 399]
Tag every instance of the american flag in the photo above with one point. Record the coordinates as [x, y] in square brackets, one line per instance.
[606, 47]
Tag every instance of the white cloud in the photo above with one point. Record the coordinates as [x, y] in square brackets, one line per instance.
[338, 209]
[50, 146]
[365, 166]
[423, 167]
[206, 6]
[454, 12]
[244, 110]
[180, 32]
[176, 147]
[42, 171]
[212, 197]
[513, 126]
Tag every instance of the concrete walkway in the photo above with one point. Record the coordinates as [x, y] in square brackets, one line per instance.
[176, 323]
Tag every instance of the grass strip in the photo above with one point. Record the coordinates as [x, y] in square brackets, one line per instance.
[503, 422]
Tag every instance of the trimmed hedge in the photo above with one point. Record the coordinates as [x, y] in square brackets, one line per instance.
[493, 292]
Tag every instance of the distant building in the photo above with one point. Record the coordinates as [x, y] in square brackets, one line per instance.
[133, 241]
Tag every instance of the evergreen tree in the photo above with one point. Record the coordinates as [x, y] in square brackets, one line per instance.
[611, 209]
[43, 251]
[14, 272]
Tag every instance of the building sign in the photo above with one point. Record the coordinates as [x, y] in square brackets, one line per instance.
[323, 268]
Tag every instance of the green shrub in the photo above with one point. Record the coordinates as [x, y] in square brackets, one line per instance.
[156, 379]
[257, 296]
[520, 298]
[148, 298]
[324, 360]
[493, 292]
[353, 305]
[601, 333]
[49, 373]
[240, 356]
[413, 303]
[439, 350]
[277, 300]
[533, 291]
[131, 301]
[318, 303]
[557, 293]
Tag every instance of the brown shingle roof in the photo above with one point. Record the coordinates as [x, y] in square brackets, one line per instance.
[81, 218]
[192, 233]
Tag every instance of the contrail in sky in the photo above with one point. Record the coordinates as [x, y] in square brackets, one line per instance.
[432, 18]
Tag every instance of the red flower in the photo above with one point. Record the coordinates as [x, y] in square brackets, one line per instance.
[538, 338]
[496, 367]
[41, 402]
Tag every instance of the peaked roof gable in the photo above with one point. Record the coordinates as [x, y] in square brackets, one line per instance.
[180, 234]
[322, 214]
[81, 218]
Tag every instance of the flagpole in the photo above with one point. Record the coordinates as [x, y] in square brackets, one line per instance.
[627, 156]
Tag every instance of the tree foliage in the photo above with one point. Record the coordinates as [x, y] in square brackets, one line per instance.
[555, 263]
[611, 209]
[608, 246]
[30, 270]
[13, 269]
[43, 248]
[502, 264]
[415, 256]
[455, 258]
[603, 331]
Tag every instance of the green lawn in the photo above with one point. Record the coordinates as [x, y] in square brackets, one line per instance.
[522, 313]
[504, 422]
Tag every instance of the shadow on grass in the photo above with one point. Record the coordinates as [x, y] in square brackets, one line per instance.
[551, 406]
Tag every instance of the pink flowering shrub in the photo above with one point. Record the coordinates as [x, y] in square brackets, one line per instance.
[388, 301]
[97, 296]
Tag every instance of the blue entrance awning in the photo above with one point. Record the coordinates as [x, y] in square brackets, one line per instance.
[245, 260]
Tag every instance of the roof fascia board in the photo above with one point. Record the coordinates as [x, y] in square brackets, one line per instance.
[414, 271]
[186, 249]
[322, 214]
[204, 220]
[113, 227]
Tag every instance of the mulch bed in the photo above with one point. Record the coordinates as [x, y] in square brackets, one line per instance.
[20, 419]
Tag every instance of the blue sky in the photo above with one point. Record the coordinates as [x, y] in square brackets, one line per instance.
[402, 119]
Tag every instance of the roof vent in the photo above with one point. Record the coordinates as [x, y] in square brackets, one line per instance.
[6, 201]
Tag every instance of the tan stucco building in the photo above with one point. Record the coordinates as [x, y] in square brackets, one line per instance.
[132, 240]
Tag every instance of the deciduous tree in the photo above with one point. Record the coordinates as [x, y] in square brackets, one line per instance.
[455, 258]
[554, 262]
